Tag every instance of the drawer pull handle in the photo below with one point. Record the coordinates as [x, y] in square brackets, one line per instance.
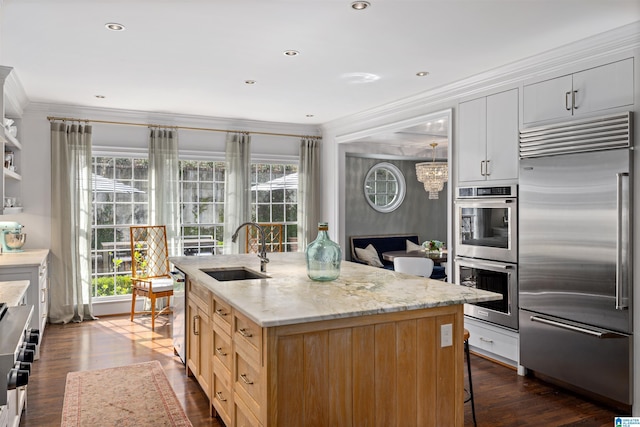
[245, 333]
[245, 379]
[219, 396]
[486, 340]
[220, 312]
[196, 318]
[220, 352]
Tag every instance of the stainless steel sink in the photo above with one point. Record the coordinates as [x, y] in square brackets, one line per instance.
[233, 273]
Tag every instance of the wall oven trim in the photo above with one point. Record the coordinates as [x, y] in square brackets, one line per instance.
[509, 319]
[508, 254]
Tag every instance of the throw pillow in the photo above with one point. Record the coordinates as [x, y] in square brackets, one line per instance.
[369, 255]
[412, 247]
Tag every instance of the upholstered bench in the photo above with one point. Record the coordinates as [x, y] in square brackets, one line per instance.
[385, 243]
[381, 243]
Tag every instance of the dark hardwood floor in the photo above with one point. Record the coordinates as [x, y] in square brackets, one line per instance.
[502, 397]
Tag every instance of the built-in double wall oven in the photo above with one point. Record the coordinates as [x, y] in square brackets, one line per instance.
[487, 250]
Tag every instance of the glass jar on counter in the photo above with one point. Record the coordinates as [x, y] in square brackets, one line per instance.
[323, 256]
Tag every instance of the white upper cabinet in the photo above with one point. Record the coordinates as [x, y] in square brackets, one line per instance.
[488, 138]
[596, 89]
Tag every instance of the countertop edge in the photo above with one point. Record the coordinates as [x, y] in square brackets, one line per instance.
[26, 258]
[268, 301]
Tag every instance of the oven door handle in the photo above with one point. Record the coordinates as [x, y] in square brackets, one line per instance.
[491, 201]
[481, 264]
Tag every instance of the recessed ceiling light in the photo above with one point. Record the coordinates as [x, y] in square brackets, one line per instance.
[422, 73]
[291, 52]
[100, 96]
[113, 26]
[250, 82]
[360, 5]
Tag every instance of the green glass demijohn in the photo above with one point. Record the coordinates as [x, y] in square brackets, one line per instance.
[323, 256]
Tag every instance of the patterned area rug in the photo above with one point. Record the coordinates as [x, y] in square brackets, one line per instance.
[133, 395]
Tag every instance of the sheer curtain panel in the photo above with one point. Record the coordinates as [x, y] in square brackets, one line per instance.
[70, 287]
[237, 200]
[308, 191]
[164, 196]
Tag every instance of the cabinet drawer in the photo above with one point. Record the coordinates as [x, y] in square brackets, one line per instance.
[221, 399]
[222, 351]
[248, 384]
[248, 338]
[243, 416]
[493, 341]
[222, 315]
[199, 295]
[223, 374]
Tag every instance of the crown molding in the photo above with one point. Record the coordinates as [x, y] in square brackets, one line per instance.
[15, 98]
[168, 119]
[616, 41]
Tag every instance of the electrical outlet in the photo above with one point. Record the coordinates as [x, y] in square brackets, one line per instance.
[446, 335]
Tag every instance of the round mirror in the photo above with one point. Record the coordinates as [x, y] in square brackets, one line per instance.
[384, 187]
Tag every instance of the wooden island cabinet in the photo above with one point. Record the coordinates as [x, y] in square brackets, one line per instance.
[374, 347]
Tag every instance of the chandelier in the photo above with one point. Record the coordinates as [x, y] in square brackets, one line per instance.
[433, 175]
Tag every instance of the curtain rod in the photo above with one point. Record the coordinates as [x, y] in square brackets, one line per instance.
[107, 122]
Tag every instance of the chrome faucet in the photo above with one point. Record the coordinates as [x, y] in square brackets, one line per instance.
[263, 250]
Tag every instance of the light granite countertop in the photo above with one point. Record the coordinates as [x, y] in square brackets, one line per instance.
[290, 297]
[12, 292]
[27, 258]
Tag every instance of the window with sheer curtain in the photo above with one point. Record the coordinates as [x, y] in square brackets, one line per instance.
[120, 199]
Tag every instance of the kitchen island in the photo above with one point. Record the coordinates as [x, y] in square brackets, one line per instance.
[373, 347]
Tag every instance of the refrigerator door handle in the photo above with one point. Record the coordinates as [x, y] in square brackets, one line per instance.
[623, 231]
[596, 334]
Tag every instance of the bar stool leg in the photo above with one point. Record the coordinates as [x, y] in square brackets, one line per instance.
[473, 406]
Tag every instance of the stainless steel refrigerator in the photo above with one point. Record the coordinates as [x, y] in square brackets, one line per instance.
[575, 277]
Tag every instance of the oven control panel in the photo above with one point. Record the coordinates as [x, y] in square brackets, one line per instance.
[480, 192]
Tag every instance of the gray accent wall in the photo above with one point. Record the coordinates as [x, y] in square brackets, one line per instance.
[416, 215]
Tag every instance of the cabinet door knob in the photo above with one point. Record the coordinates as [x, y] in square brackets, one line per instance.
[566, 101]
[481, 168]
[486, 168]
[220, 352]
[573, 99]
[219, 396]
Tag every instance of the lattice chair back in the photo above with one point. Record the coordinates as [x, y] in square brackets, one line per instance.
[149, 252]
[273, 235]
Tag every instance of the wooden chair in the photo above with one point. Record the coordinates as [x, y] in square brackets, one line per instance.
[273, 234]
[150, 273]
[424, 267]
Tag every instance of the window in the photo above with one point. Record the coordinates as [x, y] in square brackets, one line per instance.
[119, 200]
[202, 200]
[274, 199]
[384, 187]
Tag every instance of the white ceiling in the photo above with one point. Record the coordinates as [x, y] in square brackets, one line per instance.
[193, 56]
